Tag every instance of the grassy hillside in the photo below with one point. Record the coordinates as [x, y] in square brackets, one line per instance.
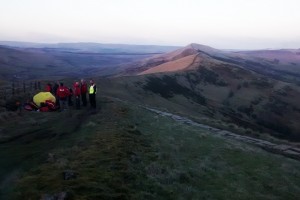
[126, 152]
[256, 91]
[224, 96]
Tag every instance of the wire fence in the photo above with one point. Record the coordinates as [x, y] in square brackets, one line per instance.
[20, 89]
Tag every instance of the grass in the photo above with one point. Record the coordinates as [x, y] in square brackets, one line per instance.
[255, 107]
[26, 140]
[212, 168]
[125, 152]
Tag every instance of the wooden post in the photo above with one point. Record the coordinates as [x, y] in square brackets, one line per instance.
[24, 87]
[13, 88]
[4, 94]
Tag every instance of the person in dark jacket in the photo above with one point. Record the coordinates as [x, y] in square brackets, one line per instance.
[54, 90]
[70, 97]
[48, 88]
[83, 87]
[77, 93]
[92, 94]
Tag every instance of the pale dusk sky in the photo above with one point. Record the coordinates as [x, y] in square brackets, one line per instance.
[225, 24]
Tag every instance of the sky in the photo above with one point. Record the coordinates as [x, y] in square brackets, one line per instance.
[223, 24]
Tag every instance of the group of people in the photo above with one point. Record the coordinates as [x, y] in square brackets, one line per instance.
[64, 95]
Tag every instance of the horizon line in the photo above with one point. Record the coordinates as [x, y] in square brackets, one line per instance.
[134, 44]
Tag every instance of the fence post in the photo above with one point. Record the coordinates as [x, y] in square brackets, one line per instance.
[4, 94]
[17, 88]
[24, 87]
[13, 88]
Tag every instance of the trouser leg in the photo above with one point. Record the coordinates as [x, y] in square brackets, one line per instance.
[77, 101]
[92, 98]
[84, 100]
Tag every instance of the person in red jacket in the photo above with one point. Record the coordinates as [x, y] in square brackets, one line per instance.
[83, 88]
[77, 92]
[62, 93]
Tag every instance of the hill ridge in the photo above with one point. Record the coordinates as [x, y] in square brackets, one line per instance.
[282, 149]
[279, 148]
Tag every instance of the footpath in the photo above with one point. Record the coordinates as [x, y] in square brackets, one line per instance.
[283, 149]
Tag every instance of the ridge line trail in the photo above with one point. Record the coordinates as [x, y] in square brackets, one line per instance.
[194, 60]
[282, 149]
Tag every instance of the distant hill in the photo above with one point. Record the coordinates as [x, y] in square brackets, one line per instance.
[281, 60]
[183, 58]
[256, 90]
[18, 63]
[279, 64]
[94, 47]
[38, 63]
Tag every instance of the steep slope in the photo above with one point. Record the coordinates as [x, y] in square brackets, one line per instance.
[174, 56]
[257, 104]
[178, 64]
[255, 90]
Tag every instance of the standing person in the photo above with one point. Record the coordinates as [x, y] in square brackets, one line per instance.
[92, 94]
[48, 88]
[70, 97]
[55, 87]
[77, 93]
[83, 88]
[63, 93]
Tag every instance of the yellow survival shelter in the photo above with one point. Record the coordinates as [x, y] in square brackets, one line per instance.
[42, 97]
